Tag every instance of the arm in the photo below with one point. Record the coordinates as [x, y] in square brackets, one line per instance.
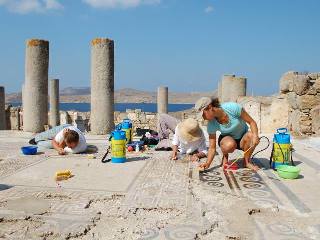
[175, 152]
[175, 144]
[211, 152]
[59, 147]
[202, 150]
[253, 126]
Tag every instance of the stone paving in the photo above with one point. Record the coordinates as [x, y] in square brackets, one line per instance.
[152, 197]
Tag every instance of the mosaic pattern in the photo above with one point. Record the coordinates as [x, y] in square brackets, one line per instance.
[211, 178]
[69, 213]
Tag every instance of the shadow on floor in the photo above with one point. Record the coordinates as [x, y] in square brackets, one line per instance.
[134, 159]
[4, 187]
[92, 149]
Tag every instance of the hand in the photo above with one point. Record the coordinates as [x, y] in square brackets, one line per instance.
[174, 156]
[61, 151]
[255, 140]
[205, 165]
[195, 158]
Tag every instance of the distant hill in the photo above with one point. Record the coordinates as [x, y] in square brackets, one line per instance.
[125, 95]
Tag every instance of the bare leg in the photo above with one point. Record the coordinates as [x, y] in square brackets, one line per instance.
[227, 145]
[245, 144]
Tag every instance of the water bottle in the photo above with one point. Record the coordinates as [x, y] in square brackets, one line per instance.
[137, 147]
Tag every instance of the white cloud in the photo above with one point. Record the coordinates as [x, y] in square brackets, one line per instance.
[119, 3]
[208, 9]
[27, 6]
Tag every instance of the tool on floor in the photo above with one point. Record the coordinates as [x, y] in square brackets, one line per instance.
[282, 149]
[63, 175]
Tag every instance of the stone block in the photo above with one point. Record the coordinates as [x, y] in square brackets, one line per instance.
[315, 115]
[317, 85]
[123, 115]
[64, 117]
[308, 101]
[312, 91]
[314, 76]
[132, 116]
[150, 117]
[300, 84]
[14, 118]
[306, 129]
[274, 114]
[286, 81]
[294, 122]
[292, 100]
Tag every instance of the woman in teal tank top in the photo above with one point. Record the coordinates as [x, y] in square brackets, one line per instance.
[232, 121]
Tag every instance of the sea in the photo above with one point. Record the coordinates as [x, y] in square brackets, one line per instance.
[121, 107]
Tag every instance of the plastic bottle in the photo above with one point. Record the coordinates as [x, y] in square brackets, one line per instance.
[137, 147]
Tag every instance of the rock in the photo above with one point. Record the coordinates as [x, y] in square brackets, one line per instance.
[306, 129]
[314, 76]
[300, 84]
[312, 91]
[294, 122]
[122, 115]
[292, 100]
[317, 85]
[308, 101]
[150, 117]
[315, 115]
[286, 81]
[132, 116]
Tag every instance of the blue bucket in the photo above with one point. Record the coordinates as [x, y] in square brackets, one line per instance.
[29, 150]
[118, 146]
[282, 136]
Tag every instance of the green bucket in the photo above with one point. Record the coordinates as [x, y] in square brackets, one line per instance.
[288, 172]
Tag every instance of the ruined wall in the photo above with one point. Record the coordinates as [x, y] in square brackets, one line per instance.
[302, 91]
[147, 120]
[270, 113]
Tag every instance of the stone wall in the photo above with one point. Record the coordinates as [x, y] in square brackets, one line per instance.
[147, 120]
[303, 93]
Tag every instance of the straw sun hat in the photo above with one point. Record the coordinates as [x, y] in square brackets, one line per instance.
[189, 130]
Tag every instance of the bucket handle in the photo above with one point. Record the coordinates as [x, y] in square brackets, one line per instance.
[282, 130]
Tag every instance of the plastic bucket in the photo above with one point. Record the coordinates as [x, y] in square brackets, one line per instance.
[288, 172]
[29, 150]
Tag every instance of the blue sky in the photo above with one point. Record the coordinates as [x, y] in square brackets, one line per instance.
[184, 44]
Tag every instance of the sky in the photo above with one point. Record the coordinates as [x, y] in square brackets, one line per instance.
[186, 45]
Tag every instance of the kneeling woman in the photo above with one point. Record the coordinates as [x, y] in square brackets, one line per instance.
[231, 120]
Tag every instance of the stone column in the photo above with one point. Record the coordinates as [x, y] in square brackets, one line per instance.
[102, 86]
[35, 98]
[162, 100]
[54, 103]
[232, 87]
[2, 109]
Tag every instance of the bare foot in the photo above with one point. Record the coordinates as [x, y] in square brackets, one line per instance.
[252, 167]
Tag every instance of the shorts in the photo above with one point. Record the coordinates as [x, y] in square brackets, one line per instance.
[237, 140]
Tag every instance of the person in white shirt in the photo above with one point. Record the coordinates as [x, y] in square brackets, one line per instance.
[69, 140]
[189, 139]
[64, 138]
